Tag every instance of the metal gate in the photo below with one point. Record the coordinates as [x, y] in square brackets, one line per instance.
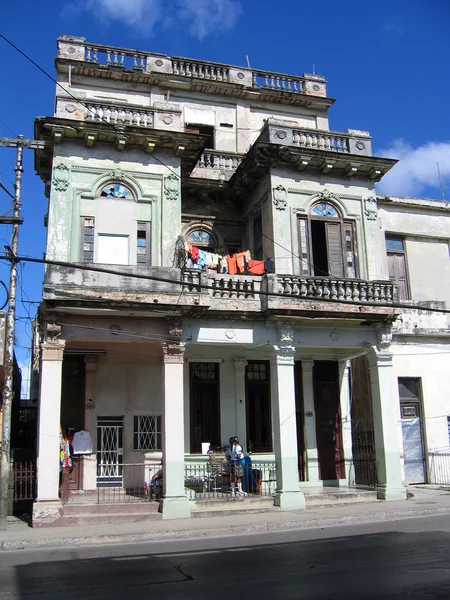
[110, 452]
[363, 451]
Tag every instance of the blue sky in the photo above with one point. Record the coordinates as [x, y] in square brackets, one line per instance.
[386, 62]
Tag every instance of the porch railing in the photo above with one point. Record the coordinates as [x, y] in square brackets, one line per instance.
[217, 480]
[440, 467]
[119, 483]
[23, 475]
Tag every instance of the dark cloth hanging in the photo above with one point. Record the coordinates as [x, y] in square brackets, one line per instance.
[269, 266]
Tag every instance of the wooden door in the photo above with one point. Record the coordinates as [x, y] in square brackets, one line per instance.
[328, 421]
[258, 406]
[300, 420]
[334, 247]
[398, 273]
[205, 405]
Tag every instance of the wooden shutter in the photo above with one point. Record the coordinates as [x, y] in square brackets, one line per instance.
[334, 246]
[303, 247]
[398, 274]
[349, 250]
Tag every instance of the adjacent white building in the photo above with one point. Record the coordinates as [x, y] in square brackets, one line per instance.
[325, 366]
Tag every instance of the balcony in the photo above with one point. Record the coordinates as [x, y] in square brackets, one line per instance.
[193, 289]
[142, 66]
[214, 164]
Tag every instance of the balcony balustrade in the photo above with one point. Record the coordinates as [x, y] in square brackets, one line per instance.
[321, 140]
[121, 115]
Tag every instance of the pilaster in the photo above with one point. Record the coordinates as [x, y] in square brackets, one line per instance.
[386, 424]
[312, 455]
[287, 495]
[46, 508]
[344, 374]
[239, 373]
[174, 504]
[90, 462]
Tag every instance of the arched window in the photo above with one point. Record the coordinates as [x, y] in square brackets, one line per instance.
[327, 242]
[116, 190]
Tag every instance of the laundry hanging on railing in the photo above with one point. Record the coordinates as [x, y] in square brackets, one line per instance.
[232, 264]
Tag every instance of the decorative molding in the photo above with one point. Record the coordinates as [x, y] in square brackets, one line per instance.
[53, 351]
[286, 344]
[306, 192]
[61, 177]
[384, 337]
[240, 363]
[282, 359]
[371, 209]
[100, 171]
[280, 197]
[171, 187]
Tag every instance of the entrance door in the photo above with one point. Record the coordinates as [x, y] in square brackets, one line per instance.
[205, 405]
[413, 450]
[300, 419]
[110, 452]
[328, 420]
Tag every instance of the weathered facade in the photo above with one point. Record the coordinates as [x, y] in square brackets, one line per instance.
[146, 153]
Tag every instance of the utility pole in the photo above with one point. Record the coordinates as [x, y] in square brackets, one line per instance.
[8, 394]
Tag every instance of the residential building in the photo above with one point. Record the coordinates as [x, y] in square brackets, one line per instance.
[151, 160]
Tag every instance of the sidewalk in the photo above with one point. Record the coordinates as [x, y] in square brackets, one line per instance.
[427, 500]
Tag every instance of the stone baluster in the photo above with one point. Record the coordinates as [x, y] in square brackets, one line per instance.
[333, 290]
[311, 288]
[303, 287]
[295, 286]
[348, 290]
[95, 59]
[355, 291]
[382, 293]
[340, 290]
[376, 292]
[363, 291]
[370, 291]
[388, 293]
[326, 288]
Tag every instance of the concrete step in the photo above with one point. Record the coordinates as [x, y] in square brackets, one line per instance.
[85, 508]
[339, 498]
[90, 519]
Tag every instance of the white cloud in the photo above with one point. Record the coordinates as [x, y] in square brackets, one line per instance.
[139, 14]
[393, 27]
[199, 18]
[208, 16]
[416, 169]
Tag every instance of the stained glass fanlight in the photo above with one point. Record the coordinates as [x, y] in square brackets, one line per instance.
[323, 209]
[199, 237]
[116, 190]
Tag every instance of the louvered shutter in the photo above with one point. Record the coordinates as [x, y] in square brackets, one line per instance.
[334, 246]
[303, 247]
[398, 274]
[349, 250]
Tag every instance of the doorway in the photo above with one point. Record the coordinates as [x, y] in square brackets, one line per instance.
[412, 432]
[328, 420]
[300, 420]
[110, 452]
[205, 405]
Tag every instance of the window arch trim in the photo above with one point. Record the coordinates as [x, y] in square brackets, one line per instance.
[115, 190]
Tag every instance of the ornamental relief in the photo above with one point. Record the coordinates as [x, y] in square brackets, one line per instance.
[61, 177]
[280, 197]
[371, 209]
[171, 187]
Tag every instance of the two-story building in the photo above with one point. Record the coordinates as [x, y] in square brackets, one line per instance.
[219, 264]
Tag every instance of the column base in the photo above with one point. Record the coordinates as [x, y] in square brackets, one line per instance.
[290, 500]
[47, 513]
[391, 494]
[177, 507]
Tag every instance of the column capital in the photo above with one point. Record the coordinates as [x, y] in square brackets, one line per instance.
[173, 356]
[344, 365]
[384, 337]
[280, 357]
[91, 363]
[307, 365]
[240, 363]
[379, 359]
[53, 350]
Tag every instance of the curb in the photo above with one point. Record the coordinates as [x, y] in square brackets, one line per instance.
[221, 531]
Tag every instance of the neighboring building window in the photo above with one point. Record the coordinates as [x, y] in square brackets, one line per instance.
[204, 405]
[398, 272]
[116, 190]
[87, 234]
[147, 433]
[258, 406]
[143, 243]
[207, 130]
[113, 249]
[326, 243]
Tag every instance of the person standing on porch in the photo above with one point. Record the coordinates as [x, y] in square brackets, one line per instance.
[236, 453]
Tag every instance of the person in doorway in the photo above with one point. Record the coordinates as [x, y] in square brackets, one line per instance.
[236, 454]
[65, 465]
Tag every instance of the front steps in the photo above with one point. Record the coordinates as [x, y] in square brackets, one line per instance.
[93, 514]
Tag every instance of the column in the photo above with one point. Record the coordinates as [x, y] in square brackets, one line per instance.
[346, 421]
[47, 507]
[90, 424]
[288, 495]
[174, 503]
[312, 456]
[387, 427]
[241, 425]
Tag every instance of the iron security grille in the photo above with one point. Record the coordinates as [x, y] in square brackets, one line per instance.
[147, 432]
[110, 451]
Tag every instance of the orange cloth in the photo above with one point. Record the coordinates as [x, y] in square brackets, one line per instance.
[256, 267]
[240, 256]
[231, 260]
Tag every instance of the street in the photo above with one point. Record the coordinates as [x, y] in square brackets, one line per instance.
[407, 558]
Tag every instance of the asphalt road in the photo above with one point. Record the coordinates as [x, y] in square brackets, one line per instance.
[397, 560]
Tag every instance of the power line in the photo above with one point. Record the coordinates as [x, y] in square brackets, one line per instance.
[198, 286]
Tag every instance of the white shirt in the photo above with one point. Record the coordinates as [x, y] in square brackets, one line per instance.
[82, 443]
[236, 452]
